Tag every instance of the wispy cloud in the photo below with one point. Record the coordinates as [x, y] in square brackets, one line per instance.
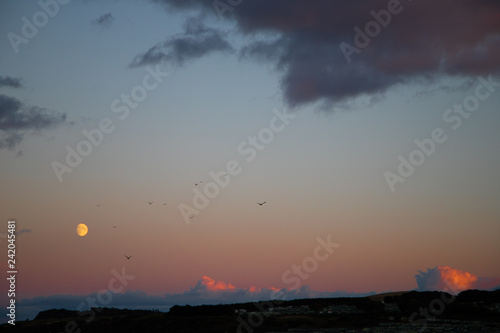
[18, 119]
[22, 231]
[196, 42]
[7, 81]
[104, 20]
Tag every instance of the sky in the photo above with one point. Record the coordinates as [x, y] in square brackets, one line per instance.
[370, 129]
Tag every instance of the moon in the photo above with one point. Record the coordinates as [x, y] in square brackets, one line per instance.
[82, 229]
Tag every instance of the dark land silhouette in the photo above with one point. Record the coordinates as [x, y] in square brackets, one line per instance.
[471, 311]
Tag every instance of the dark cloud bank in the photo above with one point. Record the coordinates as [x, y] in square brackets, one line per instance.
[400, 42]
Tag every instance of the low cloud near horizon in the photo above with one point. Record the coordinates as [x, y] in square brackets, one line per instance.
[452, 280]
[209, 291]
[206, 291]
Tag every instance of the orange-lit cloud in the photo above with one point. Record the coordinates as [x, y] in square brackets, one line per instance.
[452, 280]
[461, 280]
[206, 291]
[253, 289]
[214, 285]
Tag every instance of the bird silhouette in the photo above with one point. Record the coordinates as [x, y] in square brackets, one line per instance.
[261, 203]
[98, 205]
[164, 204]
[128, 257]
[150, 202]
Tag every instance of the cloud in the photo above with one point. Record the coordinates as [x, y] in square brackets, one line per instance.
[104, 20]
[206, 291]
[213, 285]
[22, 231]
[18, 119]
[416, 42]
[451, 280]
[196, 42]
[7, 81]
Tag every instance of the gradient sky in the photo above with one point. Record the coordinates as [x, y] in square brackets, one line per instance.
[323, 174]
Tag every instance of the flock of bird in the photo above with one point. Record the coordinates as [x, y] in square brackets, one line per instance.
[152, 202]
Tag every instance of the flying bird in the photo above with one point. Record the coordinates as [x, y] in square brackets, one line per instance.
[164, 204]
[128, 257]
[150, 203]
[98, 205]
[261, 203]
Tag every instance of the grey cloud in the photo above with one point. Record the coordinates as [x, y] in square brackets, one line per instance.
[425, 41]
[22, 231]
[196, 42]
[7, 81]
[17, 120]
[104, 20]
[10, 140]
